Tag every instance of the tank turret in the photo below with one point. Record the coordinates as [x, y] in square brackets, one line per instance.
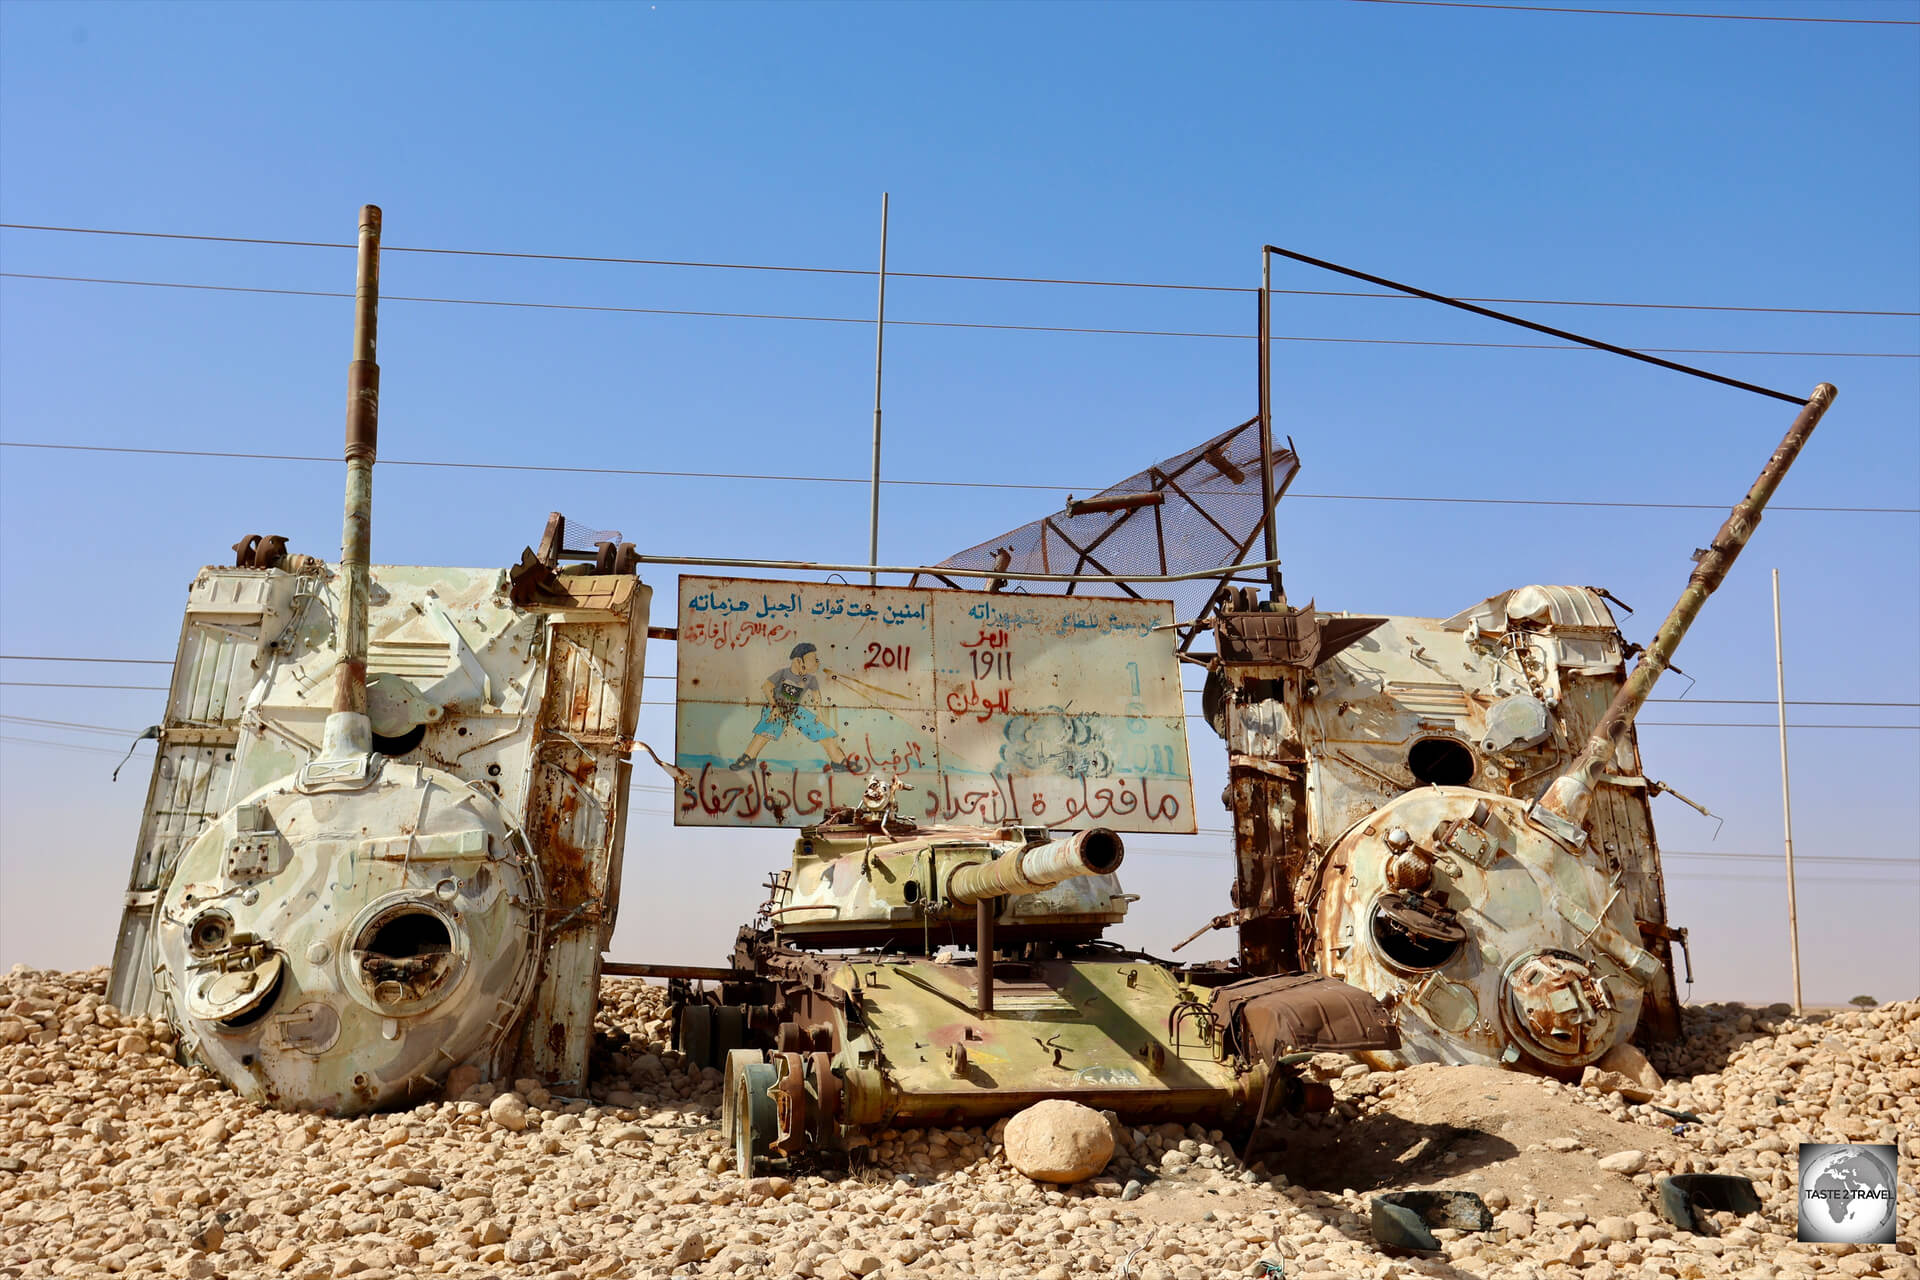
[381, 845]
[870, 878]
[1453, 814]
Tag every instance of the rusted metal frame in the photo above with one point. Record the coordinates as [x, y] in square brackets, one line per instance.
[810, 566]
[1087, 556]
[1159, 523]
[1264, 866]
[1001, 559]
[362, 444]
[1198, 458]
[1259, 1115]
[1551, 332]
[691, 972]
[1571, 794]
[1124, 502]
[1204, 514]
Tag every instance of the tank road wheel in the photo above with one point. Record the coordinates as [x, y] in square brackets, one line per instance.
[696, 1033]
[790, 1104]
[754, 1116]
[729, 1031]
[737, 1060]
[823, 1113]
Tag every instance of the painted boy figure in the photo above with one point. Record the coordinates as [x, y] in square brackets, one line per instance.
[789, 692]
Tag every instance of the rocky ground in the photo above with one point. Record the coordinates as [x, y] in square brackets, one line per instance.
[114, 1158]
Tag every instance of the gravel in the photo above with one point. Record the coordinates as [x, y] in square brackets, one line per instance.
[116, 1159]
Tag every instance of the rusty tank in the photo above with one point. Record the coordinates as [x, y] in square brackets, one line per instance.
[382, 840]
[909, 975]
[1453, 814]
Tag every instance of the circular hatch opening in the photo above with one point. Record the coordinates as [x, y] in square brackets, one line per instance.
[1441, 762]
[405, 958]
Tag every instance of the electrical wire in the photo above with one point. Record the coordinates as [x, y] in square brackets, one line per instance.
[1764, 724]
[1645, 13]
[606, 260]
[865, 321]
[1848, 861]
[54, 684]
[1756, 702]
[28, 657]
[935, 484]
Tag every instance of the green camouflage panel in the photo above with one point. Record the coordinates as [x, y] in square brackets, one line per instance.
[1095, 1031]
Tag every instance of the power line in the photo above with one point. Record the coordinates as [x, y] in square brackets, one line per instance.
[161, 662]
[29, 657]
[606, 260]
[1149, 852]
[653, 473]
[944, 324]
[1768, 702]
[62, 746]
[129, 688]
[75, 726]
[1763, 724]
[1645, 13]
[54, 684]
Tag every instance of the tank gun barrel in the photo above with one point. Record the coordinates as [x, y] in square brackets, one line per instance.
[1571, 795]
[362, 437]
[1095, 852]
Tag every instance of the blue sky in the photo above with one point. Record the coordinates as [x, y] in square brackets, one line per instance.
[1518, 155]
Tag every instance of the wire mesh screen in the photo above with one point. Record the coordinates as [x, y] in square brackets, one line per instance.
[578, 538]
[1200, 509]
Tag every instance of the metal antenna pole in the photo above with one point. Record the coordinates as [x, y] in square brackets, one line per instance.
[1786, 794]
[1271, 542]
[879, 351]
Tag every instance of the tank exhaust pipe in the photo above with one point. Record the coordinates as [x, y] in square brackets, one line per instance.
[1563, 811]
[348, 731]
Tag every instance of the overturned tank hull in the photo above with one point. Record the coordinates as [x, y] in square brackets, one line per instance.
[1393, 775]
[341, 935]
[1453, 814]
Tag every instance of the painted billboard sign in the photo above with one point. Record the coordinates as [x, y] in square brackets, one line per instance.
[1057, 711]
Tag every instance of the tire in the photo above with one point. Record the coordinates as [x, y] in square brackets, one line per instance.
[696, 1033]
[729, 1031]
[737, 1061]
[753, 1116]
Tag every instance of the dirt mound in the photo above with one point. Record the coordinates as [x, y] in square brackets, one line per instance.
[1475, 1129]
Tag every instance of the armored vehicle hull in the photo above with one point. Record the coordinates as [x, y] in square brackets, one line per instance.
[821, 1047]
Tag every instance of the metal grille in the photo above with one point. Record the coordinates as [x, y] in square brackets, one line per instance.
[578, 539]
[1201, 510]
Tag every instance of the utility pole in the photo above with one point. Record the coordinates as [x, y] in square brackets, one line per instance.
[1270, 542]
[879, 351]
[1786, 792]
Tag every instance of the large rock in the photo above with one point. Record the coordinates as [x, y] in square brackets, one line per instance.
[1626, 1071]
[1059, 1141]
[509, 1111]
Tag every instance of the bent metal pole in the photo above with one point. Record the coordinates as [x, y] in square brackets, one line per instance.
[363, 429]
[1571, 795]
